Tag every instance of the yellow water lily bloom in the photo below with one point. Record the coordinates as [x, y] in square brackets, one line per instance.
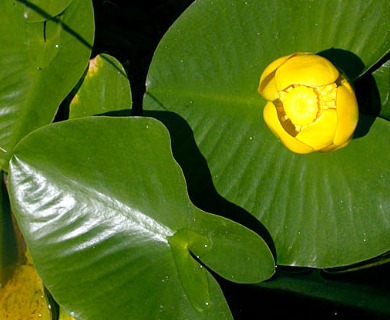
[311, 105]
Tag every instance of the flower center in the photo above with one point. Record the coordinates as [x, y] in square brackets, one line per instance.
[300, 105]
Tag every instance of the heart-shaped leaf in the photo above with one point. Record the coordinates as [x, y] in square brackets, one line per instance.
[105, 88]
[206, 71]
[40, 62]
[105, 213]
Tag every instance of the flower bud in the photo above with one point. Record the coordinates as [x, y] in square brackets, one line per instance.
[311, 105]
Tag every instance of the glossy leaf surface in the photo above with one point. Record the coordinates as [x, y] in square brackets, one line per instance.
[104, 88]
[205, 74]
[104, 210]
[40, 62]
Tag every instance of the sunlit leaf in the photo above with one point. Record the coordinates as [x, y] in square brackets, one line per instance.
[322, 210]
[105, 88]
[40, 62]
[105, 213]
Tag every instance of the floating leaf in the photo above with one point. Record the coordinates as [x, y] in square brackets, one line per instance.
[205, 72]
[40, 63]
[105, 213]
[105, 88]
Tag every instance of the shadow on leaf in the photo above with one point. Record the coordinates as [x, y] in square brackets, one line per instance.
[200, 186]
[198, 177]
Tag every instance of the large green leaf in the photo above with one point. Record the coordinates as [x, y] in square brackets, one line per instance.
[40, 62]
[105, 213]
[105, 88]
[322, 210]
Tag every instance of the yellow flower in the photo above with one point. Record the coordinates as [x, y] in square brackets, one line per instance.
[311, 106]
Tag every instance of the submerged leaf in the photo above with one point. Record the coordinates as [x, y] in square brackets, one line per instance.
[23, 296]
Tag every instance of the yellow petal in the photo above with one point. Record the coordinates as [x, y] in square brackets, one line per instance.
[305, 69]
[267, 82]
[271, 119]
[347, 113]
[320, 133]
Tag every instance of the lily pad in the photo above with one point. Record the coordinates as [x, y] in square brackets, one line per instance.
[321, 210]
[40, 63]
[105, 88]
[105, 212]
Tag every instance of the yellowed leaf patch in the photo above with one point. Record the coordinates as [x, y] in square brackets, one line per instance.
[23, 296]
